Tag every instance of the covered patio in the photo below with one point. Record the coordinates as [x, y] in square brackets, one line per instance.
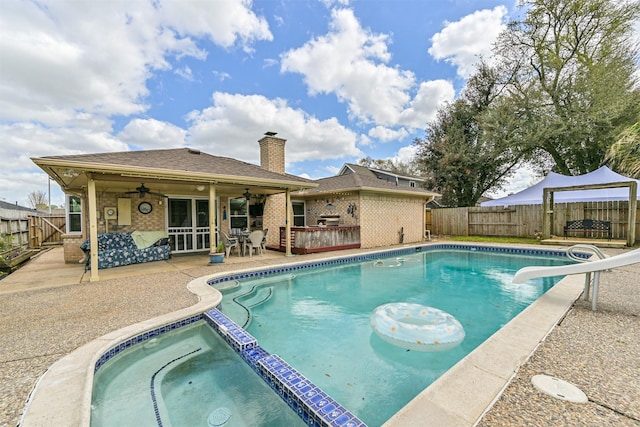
[186, 193]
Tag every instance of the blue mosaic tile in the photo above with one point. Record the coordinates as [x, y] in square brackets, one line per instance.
[238, 338]
[117, 349]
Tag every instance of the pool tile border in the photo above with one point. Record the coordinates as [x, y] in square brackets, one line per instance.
[145, 336]
[257, 274]
[314, 406]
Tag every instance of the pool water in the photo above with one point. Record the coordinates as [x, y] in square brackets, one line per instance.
[189, 377]
[318, 319]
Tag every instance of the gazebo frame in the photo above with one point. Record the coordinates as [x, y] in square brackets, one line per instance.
[548, 206]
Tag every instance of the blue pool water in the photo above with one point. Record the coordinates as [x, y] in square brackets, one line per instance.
[317, 320]
[184, 378]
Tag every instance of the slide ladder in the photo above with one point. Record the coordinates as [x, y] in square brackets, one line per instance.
[596, 251]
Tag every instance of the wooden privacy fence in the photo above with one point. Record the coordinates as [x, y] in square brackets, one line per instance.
[527, 220]
[14, 232]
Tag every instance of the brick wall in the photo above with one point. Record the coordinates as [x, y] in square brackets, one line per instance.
[155, 220]
[71, 244]
[274, 217]
[272, 153]
[381, 218]
[342, 205]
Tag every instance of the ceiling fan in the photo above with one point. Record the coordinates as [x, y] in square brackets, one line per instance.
[143, 191]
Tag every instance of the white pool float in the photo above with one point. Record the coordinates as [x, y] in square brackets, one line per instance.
[416, 327]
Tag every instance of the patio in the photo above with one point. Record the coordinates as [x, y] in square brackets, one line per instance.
[49, 309]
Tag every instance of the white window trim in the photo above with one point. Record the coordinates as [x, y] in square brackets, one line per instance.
[69, 214]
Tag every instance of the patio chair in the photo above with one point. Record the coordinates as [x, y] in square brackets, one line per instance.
[229, 243]
[254, 241]
[264, 240]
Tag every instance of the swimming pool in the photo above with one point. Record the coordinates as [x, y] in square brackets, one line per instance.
[323, 368]
[318, 319]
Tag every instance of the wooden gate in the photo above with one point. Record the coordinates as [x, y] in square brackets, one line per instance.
[46, 230]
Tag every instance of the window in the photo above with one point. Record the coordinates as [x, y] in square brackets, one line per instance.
[298, 213]
[74, 215]
[238, 213]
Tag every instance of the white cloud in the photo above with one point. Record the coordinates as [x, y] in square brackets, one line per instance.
[185, 72]
[69, 66]
[424, 106]
[234, 123]
[462, 42]
[386, 134]
[148, 134]
[522, 178]
[405, 154]
[225, 22]
[351, 62]
[22, 141]
[221, 75]
[61, 57]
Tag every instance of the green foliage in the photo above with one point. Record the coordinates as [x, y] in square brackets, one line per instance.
[220, 248]
[624, 155]
[461, 161]
[6, 242]
[561, 90]
[571, 86]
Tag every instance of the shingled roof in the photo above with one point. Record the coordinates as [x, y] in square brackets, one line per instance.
[170, 161]
[365, 181]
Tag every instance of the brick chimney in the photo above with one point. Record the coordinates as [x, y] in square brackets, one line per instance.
[272, 152]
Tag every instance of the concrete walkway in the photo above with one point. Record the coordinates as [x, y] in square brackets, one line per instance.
[48, 309]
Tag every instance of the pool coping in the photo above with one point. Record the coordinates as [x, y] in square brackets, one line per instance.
[459, 397]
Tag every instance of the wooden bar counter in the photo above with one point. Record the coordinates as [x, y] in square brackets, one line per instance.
[306, 240]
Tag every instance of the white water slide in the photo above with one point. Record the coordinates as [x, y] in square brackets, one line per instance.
[587, 268]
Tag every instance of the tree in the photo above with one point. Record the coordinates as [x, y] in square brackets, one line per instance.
[571, 88]
[624, 155]
[38, 200]
[461, 160]
[401, 168]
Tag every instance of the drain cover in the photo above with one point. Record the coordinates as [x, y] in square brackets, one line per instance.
[560, 389]
[219, 417]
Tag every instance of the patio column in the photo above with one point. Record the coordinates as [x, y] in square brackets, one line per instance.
[93, 227]
[213, 233]
[287, 224]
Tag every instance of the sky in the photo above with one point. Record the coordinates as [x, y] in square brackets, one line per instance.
[339, 80]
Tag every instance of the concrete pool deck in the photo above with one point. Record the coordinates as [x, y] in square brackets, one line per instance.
[48, 310]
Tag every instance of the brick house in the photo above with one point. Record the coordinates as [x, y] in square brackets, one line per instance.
[172, 190]
[388, 208]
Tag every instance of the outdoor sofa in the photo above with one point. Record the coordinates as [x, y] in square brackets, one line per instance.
[118, 249]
